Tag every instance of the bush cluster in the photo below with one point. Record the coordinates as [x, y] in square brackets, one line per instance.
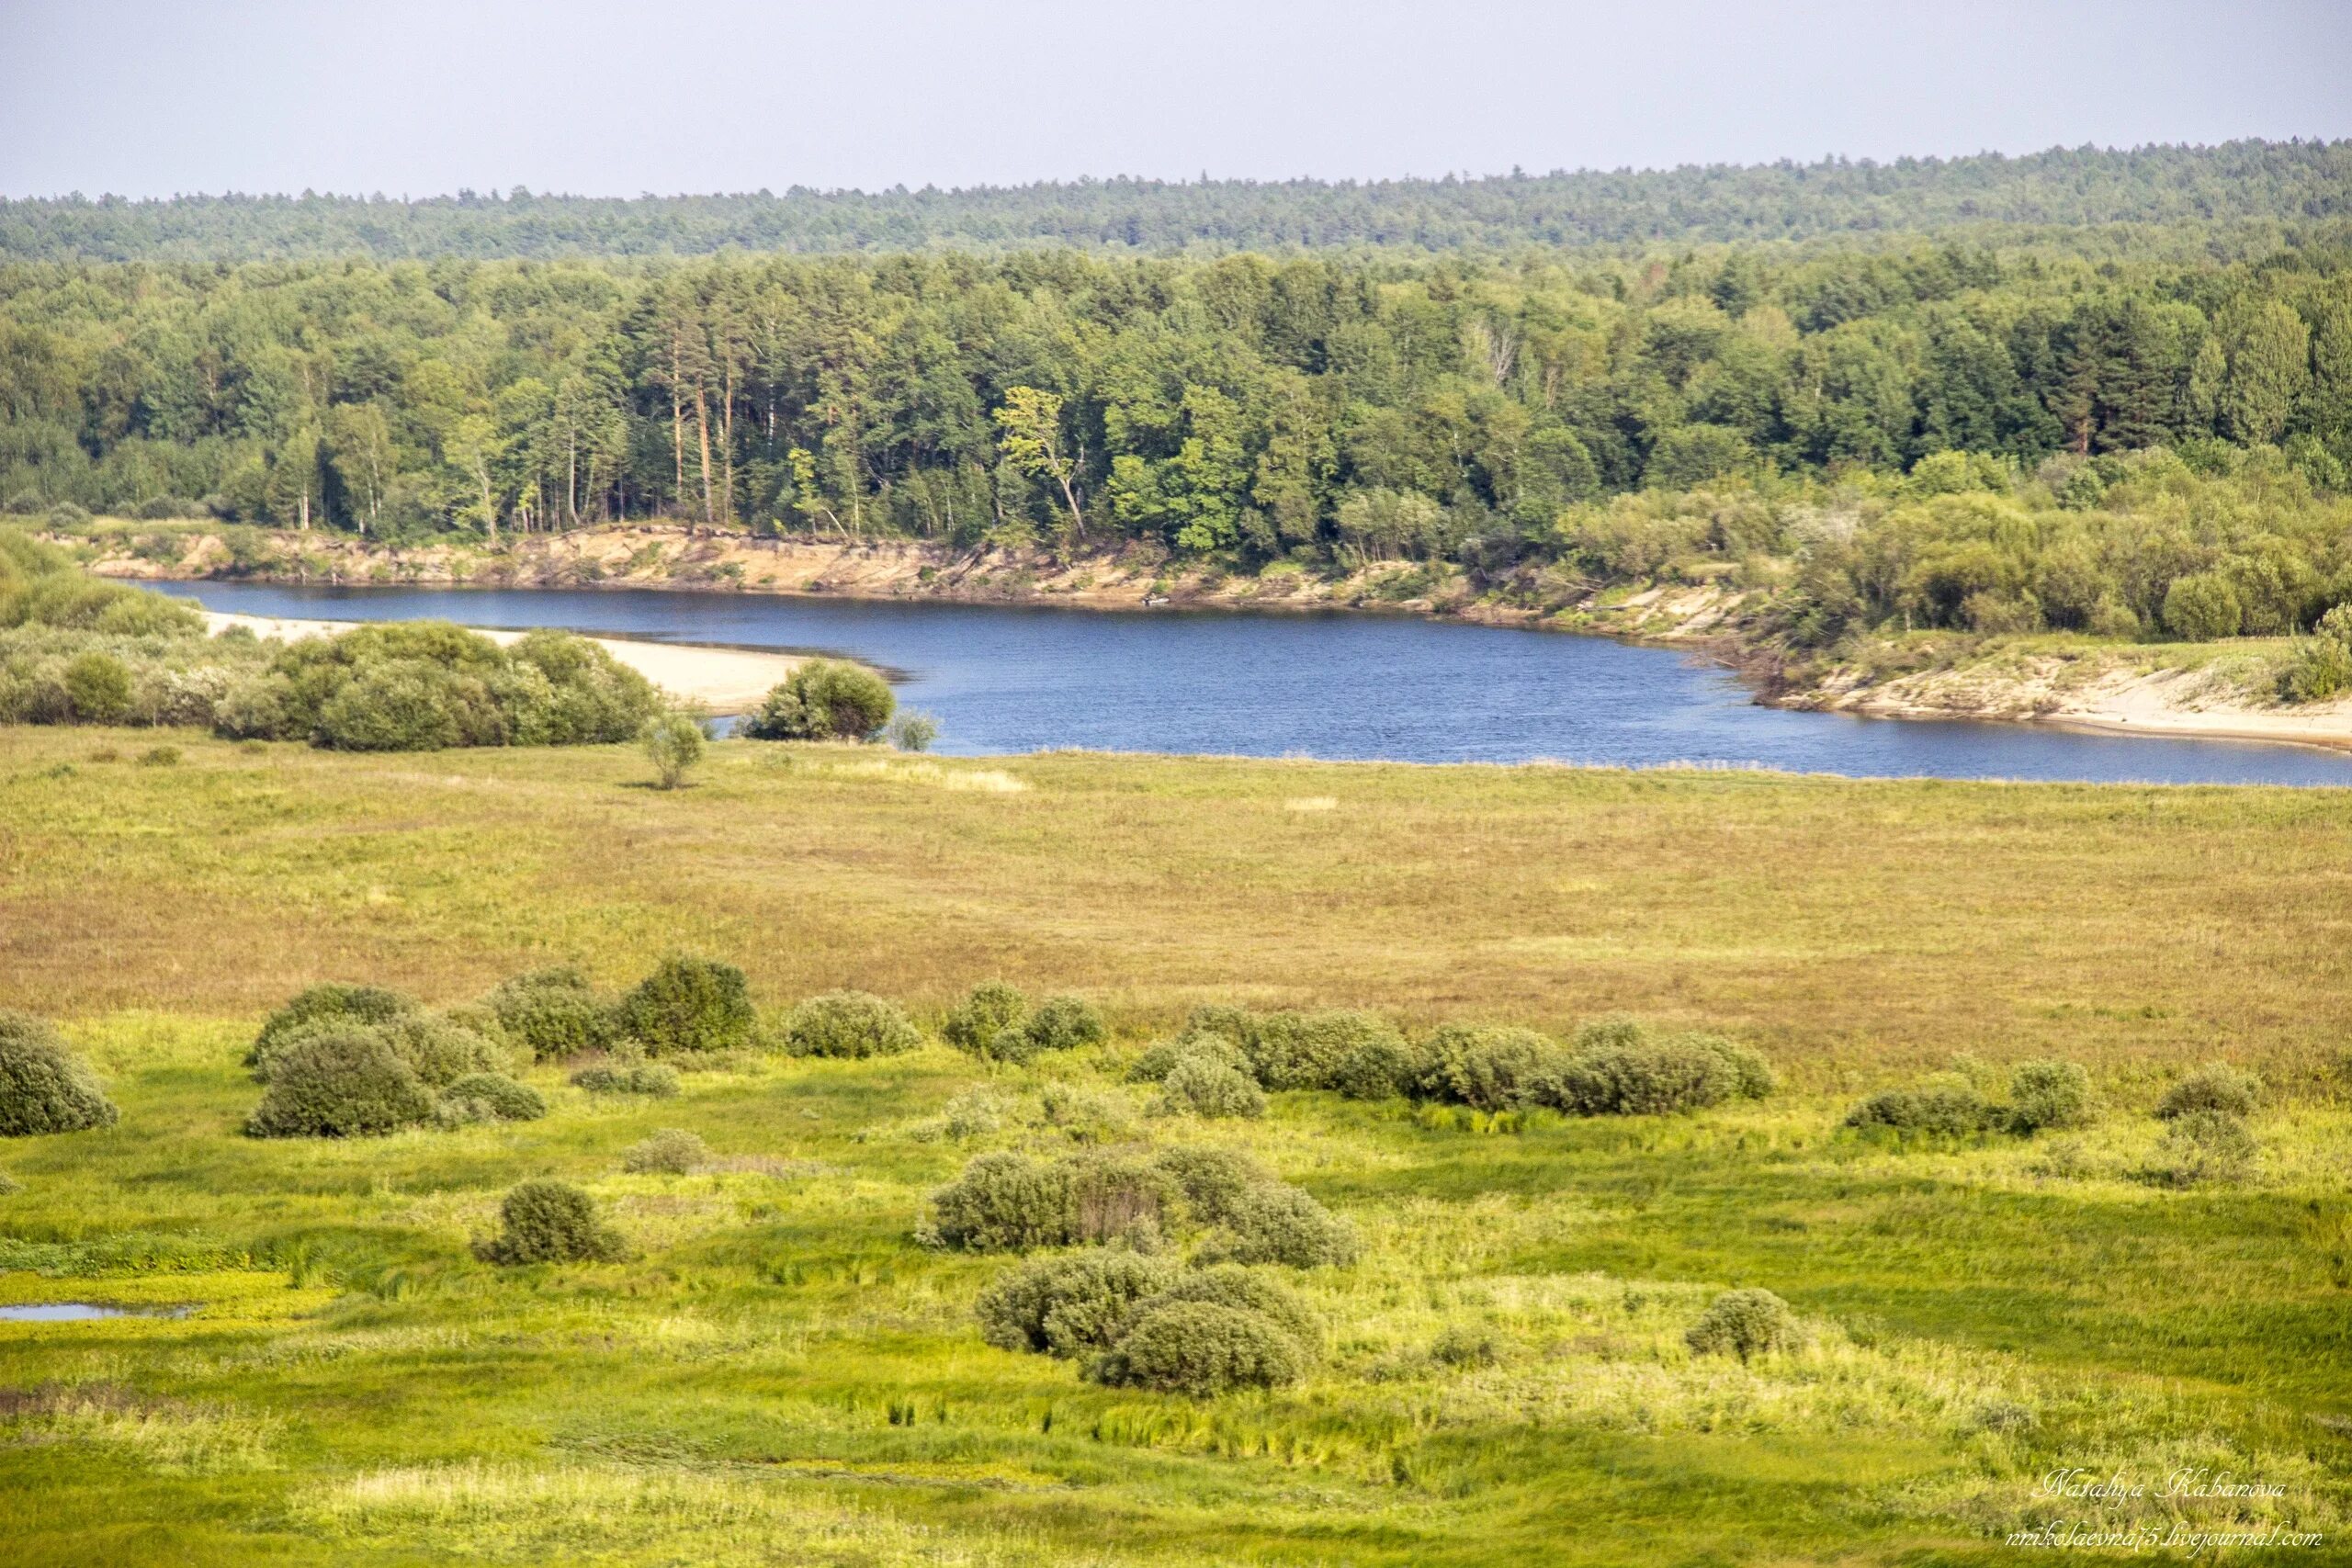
[1008, 1203]
[2043, 1096]
[347, 1061]
[339, 1082]
[331, 1002]
[2201, 1146]
[849, 1023]
[1613, 1068]
[550, 1221]
[44, 1086]
[1144, 1322]
[552, 1013]
[823, 699]
[654, 1080]
[490, 1097]
[994, 1022]
[1199, 1085]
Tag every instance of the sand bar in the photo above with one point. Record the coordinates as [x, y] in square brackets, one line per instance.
[728, 679]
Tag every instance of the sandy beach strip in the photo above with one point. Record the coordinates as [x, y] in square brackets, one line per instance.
[726, 679]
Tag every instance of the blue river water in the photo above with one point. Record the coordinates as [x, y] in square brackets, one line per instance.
[1340, 686]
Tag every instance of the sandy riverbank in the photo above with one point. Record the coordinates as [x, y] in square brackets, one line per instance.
[726, 680]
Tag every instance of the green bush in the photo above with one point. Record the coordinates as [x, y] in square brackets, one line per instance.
[44, 1087]
[552, 1013]
[1230, 1285]
[1382, 1069]
[99, 687]
[651, 1080]
[1003, 1202]
[2320, 669]
[2201, 1146]
[823, 699]
[1462, 1348]
[1068, 1306]
[1647, 1077]
[688, 1005]
[1162, 1057]
[673, 742]
[1745, 1324]
[1199, 1087]
[1948, 1106]
[991, 1012]
[1211, 1182]
[2202, 607]
[2051, 1096]
[550, 1221]
[408, 704]
[340, 1083]
[1063, 1023]
[2216, 1086]
[849, 1023]
[493, 1097]
[365, 1005]
[1202, 1349]
[1295, 1051]
[1278, 1223]
[441, 1052]
[1118, 1199]
[1488, 1069]
[673, 1151]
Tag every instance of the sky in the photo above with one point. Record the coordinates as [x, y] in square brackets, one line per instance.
[422, 98]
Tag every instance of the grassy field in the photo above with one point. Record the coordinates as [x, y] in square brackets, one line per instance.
[780, 1374]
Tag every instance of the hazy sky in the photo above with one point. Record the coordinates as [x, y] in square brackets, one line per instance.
[422, 97]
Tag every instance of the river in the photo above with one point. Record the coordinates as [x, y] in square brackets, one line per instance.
[1343, 686]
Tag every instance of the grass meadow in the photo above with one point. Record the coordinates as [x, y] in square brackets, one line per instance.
[780, 1373]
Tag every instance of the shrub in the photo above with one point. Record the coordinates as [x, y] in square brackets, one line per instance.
[1162, 1057]
[1461, 1348]
[550, 1221]
[1310, 1050]
[1065, 1306]
[493, 1097]
[988, 1011]
[2052, 1095]
[823, 699]
[1063, 1023]
[689, 1004]
[673, 742]
[331, 1001]
[849, 1023]
[1198, 1087]
[1647, 1078]
[1211, 1182]
[99, 687]
[1382, 1069]
[44, 1087]
[441, 1052]
[1278, 1223]
[2202, 607]
[2200, 1147]
[1949, 1106]
[1202, 1349]
[1003, 1202]
[1488, 1069]
[1230, 1285]
[340, 1083]
[1750, 1075]
[914, 731]
[673, 1151]
[651, 1080]
[1122, 1199]
[552, 1013]
[2216, 1086]
[1745, 1324]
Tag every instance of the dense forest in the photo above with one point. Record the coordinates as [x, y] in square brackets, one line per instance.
[1246, 406]
[2081, 192]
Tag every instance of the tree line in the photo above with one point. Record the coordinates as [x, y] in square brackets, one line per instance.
[2258, 182]
[1250, 407]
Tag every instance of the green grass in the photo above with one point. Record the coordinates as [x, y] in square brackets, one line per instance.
[780, 1373]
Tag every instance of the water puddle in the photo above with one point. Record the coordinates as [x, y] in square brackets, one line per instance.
[81, 1312]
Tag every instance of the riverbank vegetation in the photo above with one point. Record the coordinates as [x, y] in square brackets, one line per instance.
[868, 1284]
